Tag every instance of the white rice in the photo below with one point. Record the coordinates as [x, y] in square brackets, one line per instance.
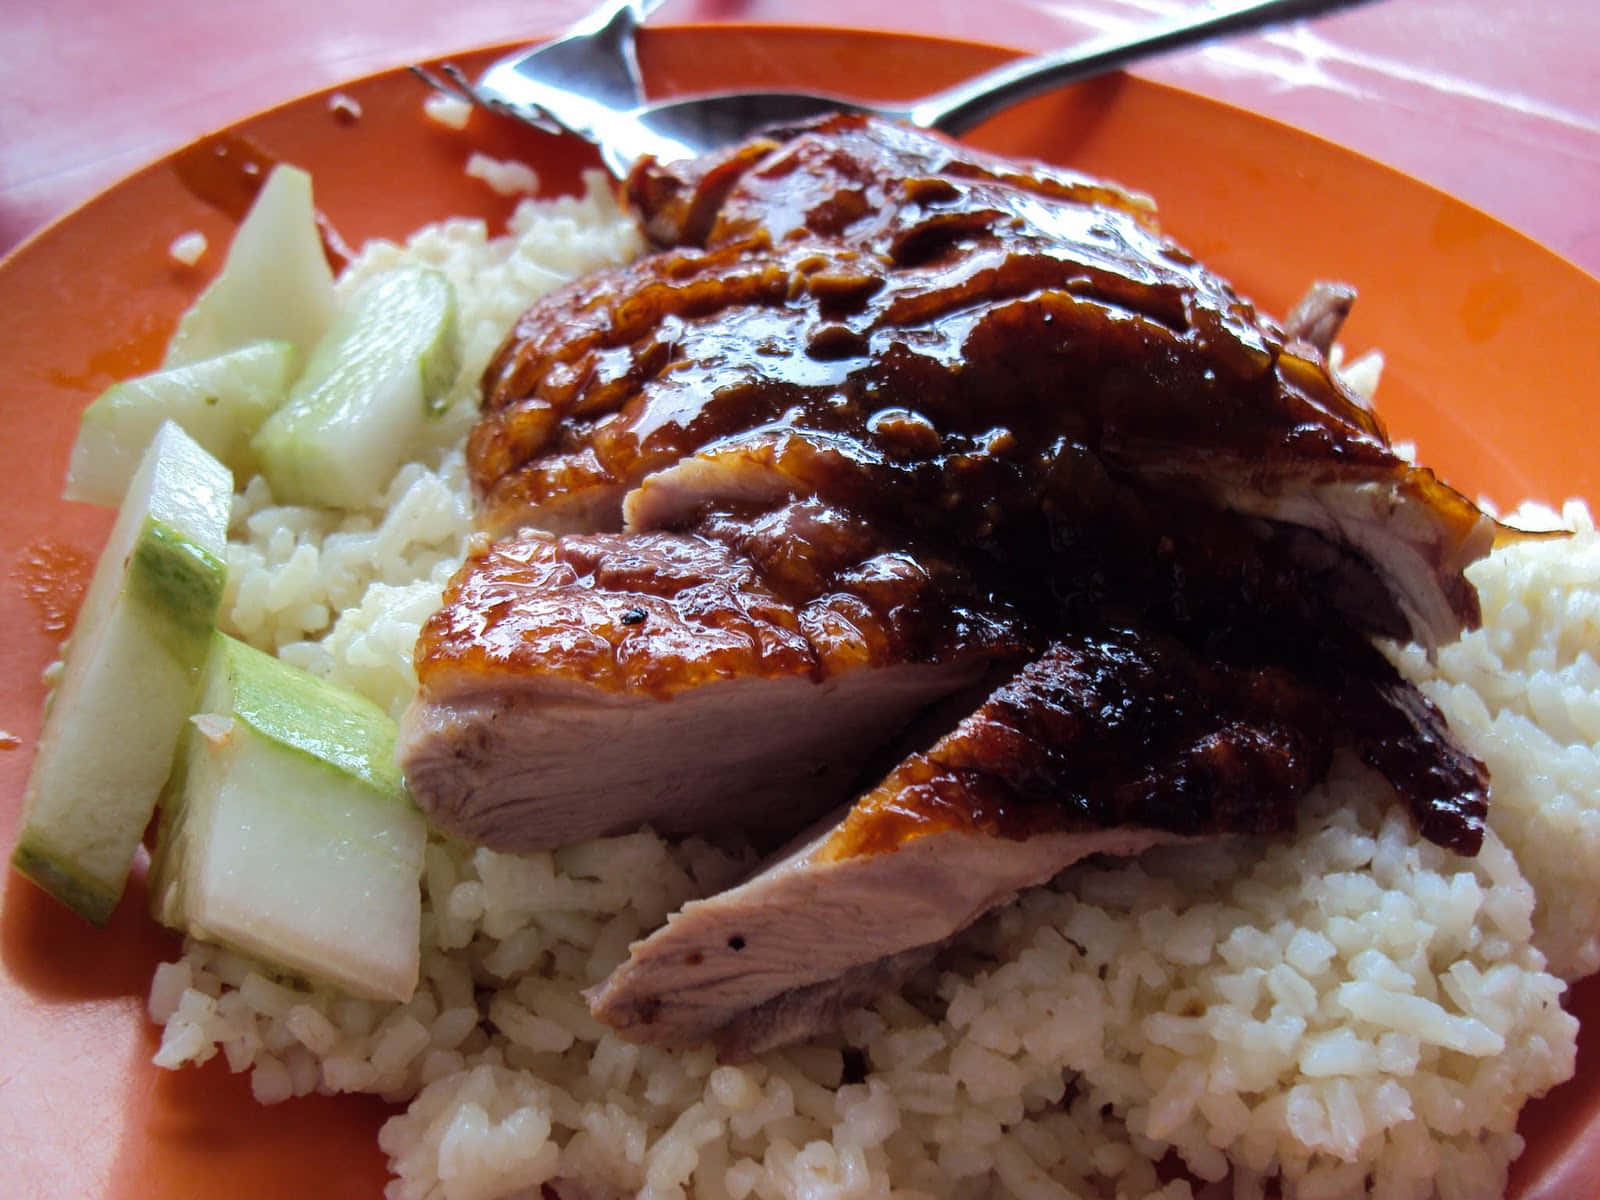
[1527, 686]
[188, 248]
[506, 176]
[449, 111]
[1351, 1011]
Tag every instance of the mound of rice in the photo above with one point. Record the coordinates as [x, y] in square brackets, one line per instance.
[1352, 1011]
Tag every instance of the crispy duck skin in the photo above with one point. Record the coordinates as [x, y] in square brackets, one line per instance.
[946, 323]
[581, 685]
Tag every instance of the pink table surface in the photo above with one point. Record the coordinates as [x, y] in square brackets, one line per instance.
[1495, 101]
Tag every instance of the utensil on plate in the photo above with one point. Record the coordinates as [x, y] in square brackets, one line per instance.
[560, 93]
[564, 85]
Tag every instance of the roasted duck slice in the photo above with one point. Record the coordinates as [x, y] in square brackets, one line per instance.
[726, 196]
[588, 684]
[854, 330]
[951, 324]
[784, 955]
[1107, 744]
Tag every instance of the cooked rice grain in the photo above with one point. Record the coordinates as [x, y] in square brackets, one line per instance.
[1525, 693]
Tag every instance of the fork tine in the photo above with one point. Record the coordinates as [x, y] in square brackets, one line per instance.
[558, 87]
[450, 80]
[464, 86]
[531, 114]
[459, 78]
[443, 86]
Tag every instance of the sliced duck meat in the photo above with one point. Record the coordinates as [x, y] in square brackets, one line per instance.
[786, 954]
[936, 327]
[883, 416]
[1106, 744]
[587, 684]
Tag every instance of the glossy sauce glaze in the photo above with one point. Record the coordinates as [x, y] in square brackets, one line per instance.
[797, 590]
[1114, 729]
[925, 303]
[1013, 362]
[1127, 729]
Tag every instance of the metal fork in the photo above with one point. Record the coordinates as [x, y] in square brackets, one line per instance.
[573, 84]
[673, 129]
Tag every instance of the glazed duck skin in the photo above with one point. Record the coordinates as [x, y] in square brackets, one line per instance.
[947, 322]
[583, 685]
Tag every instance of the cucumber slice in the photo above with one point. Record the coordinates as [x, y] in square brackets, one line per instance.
[220, 402]
[286, 830]
[275, 283]
[131, 677]
[369, 389]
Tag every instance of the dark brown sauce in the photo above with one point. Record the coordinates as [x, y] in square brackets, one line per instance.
[1130, 731]
[1115, 728]
[227, 171]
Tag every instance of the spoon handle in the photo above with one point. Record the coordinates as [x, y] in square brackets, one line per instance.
[968, 104]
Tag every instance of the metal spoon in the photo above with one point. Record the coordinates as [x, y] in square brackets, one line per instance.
[683, 128]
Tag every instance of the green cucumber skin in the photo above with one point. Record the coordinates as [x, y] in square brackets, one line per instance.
[134, 665]
[437, 371]
[177, 585]
[88, 898]
[172, 591]
[283, 816]
[345, 731]
[368, 390]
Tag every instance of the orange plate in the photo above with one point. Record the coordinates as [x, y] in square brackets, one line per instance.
[1492, 354]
